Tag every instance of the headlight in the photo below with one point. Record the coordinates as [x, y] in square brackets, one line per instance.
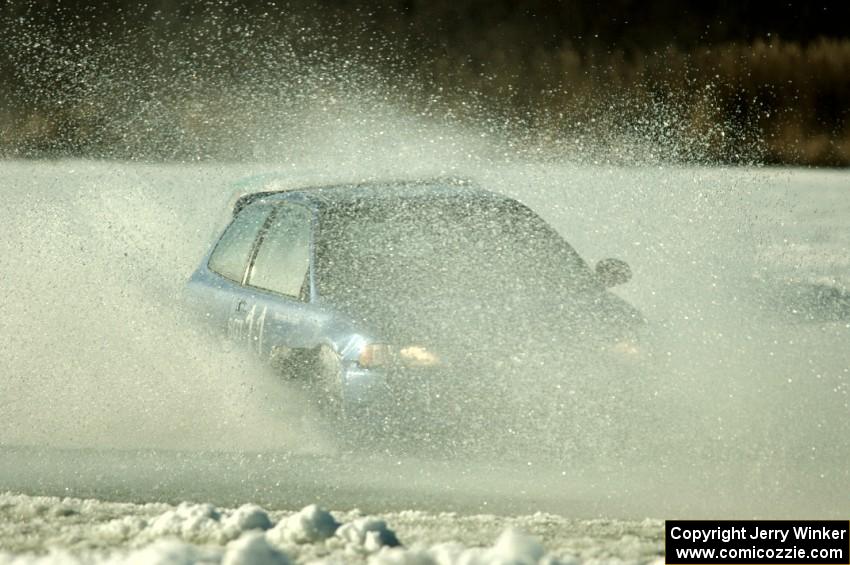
[417, 356]
[627, 347]
[628, 351]
[374, 355]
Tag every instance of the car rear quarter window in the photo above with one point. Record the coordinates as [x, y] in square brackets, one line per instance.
[283, 259]
[233, 251]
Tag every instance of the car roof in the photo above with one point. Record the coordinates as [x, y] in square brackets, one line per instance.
[271, 187]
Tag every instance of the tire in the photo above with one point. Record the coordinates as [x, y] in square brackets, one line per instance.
[316, 372]
[327, 384]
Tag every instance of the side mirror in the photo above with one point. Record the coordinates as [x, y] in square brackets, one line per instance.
[613, 272]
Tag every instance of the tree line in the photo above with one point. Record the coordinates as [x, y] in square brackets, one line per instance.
[736, 82]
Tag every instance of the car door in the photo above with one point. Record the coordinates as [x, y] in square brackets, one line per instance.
[216, 288]
[279, 316]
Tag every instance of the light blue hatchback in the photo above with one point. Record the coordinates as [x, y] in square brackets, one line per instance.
[384, 295]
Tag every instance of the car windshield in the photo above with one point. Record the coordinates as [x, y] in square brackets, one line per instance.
[444, 247]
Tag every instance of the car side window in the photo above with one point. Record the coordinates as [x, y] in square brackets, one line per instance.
[233, 251]
[283, 258]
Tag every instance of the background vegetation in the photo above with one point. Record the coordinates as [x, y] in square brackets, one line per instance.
[217, 79]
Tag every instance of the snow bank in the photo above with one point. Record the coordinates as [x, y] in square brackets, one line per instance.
[52, 531]
[512, 547]
[370, 533]
[254, 549]
[310, 525]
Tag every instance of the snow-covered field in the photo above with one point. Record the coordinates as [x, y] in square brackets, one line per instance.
[81, 531]
[108, 395]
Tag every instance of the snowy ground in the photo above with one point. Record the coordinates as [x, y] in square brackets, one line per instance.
[95, 531]
[108, 393]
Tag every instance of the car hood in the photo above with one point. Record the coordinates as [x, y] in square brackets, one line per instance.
[463, 330]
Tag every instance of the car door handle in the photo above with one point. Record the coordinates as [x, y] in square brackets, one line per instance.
[240, 306]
